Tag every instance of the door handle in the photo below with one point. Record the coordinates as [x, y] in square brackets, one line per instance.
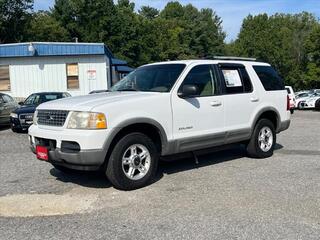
[254, 99]
[215, 103]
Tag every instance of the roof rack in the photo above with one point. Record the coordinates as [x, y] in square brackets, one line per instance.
[234, 58]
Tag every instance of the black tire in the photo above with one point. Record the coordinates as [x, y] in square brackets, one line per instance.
[115, 172]
[300, 106]
[253, 148]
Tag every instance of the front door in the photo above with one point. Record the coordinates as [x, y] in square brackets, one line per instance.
[198, 121]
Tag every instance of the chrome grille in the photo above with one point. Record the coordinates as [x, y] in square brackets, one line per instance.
[26, 116]
[55, 118]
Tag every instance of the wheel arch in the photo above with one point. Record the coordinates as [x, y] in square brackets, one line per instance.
[269, 113]
[149, 127]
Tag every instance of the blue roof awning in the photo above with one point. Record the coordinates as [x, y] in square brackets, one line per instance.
[124, 69]
[115, 61]
[53, 49]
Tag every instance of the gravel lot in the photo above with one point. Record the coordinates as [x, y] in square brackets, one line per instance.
[226, 196]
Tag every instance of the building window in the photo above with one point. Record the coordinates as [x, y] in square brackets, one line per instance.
[72, 76]
[4, 78]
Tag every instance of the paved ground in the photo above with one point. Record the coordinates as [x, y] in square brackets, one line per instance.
[226, 196]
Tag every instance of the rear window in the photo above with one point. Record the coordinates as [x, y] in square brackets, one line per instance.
[269, 78]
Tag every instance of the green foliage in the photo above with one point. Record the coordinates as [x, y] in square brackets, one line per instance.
[177, 32]
[45, 28]
[14, 19]
[312, 45]
[280, 40]
[148, 12]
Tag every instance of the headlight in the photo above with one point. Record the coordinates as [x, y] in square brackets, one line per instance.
[35, 118]
[13, 115]
[87, 120]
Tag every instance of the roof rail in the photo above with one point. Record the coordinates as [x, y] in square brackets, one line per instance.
[234, 58]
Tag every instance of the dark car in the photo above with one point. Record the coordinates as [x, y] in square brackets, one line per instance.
[22, 118]
[7, 105]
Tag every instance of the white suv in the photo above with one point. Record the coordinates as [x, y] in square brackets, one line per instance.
[163, 109]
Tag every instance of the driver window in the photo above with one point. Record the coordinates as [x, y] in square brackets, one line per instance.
[203, 77]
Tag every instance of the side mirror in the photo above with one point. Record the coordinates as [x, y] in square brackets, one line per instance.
[188, 91]
[20, 103]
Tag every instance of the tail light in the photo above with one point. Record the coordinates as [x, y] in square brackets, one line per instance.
[288, 103]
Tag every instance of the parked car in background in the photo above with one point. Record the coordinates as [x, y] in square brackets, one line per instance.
[292, 98]
[302, 94]
[7, 105]
[302, 98]
[22, 118]
[310, 102]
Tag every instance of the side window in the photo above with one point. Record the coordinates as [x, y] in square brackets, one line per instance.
[203, 77]
[7, 99]
[72, 76]
[269, 78]
[1, 100]
[236, 80]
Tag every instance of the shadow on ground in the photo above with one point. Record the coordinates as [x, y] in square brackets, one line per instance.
[3, 128]
[172, 166]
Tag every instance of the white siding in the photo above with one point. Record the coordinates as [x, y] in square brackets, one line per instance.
[36, 74]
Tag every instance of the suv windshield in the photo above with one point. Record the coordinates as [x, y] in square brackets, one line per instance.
[152, 78]
[36, 99]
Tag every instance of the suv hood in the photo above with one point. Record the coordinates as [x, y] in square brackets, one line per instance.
[88, 102]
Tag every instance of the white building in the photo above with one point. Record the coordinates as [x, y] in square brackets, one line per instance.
[77, 68]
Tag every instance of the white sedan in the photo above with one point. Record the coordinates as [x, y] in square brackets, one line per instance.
[309, 103]
[304, 98]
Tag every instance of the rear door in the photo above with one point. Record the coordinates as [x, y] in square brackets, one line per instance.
[198, 121]
[241, 100]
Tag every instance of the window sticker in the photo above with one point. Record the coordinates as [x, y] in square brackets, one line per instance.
[232, 78]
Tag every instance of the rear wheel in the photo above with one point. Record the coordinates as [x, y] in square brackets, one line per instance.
[263, 140]
[133, 162]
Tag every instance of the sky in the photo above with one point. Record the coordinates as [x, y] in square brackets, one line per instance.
[232, 12]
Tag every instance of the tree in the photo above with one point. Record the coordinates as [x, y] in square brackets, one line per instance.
[89, 21]
[148, 12]
[14, 19]
[312, 44]
[277, 39]
[44, 27]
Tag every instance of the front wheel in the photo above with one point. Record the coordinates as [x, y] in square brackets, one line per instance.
[133, 162]
[263, 140]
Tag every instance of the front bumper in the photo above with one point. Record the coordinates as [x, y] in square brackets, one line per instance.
[76, 149]
[307, 105]
[17, 123]
[82, 160]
